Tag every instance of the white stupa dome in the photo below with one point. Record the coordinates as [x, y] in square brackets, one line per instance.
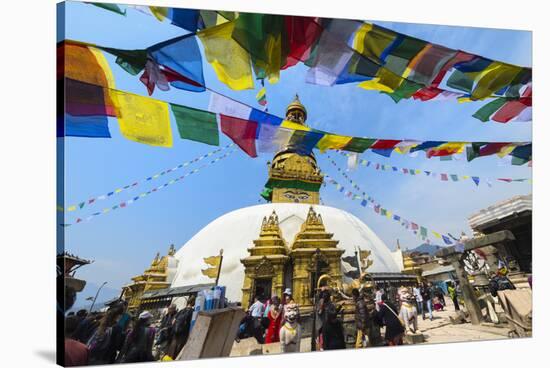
[236, 230]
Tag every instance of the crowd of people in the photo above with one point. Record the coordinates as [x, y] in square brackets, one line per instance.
[116, 336]
[393, 308]
[382, 316]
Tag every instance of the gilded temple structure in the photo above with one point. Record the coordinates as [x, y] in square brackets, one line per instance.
[289, 242]
[159, 275]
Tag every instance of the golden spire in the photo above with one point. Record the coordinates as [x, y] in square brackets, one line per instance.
[296, 111]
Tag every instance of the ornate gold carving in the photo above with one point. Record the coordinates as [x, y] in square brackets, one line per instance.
[264, 268]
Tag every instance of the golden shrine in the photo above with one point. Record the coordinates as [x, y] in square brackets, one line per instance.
[158, 276]
[273, 265]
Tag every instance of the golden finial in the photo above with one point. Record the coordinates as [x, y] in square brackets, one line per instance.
[296, 105]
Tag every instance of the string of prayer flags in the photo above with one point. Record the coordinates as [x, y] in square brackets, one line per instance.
[128, 202]
[418, 172]
[142, 119]
[196, 125]
[503, 109]
[93, 200]
[368, 202]
[230, 61]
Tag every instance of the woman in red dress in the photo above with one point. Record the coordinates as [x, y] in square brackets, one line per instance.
[274, 316]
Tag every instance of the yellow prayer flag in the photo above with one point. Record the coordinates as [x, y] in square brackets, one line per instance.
[418, 171]
[210, 272]
[295, 126]
[143, 119]
[72, 208]
[230, 61]
[496, 76]
[332, 141]
[385, 81]
[438, 235]
[213, 261]
[506, 150]
[159, 12]
[359, 38]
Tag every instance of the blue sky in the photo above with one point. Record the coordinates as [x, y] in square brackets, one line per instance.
[123, 242]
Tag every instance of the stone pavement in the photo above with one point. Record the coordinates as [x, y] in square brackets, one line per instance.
[440, 329]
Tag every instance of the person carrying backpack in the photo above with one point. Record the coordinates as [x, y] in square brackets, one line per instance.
[139, 342]
[107, 339]
[181, 329]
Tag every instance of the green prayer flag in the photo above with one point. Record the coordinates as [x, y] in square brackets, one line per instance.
[454, 177]
[111, 7]
[461, 81]
[196, 125]
[132, 61]
[404, 91]
[423, 231]
[359, 145]
[484, 114]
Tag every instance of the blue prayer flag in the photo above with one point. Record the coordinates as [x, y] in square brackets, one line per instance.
[86, 126]
[182, 55]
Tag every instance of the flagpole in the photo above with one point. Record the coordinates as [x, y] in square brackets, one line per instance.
[219, 267]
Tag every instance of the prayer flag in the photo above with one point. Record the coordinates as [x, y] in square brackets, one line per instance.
[86, 126]
[302, 33]
[264, 118]
[423, 231]
[446, 240]
[196, 125]
[272, 138]
[493, 78]
[223, 105]
[182, 55]
[358, 145]
[111, 7]
[261, 97]
[230, 61]
[444, 177]
[261, 35]
[508, 111]
[446, 149]
[371, 41]
[242, 132]
[142, 119]
[184, 18]
[304, 141]
[430, 63]
[84, 99]
[485, 112]
[332, 141]
[454, 177]
[132, 61]
[84, 64]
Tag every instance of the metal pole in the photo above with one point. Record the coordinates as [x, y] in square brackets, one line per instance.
[219, 267]
[96, 294]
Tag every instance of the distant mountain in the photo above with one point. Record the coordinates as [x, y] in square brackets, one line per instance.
[425, 248]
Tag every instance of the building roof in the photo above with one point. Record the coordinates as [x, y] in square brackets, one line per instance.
[501, 210]
[175, 291]
[438, 270]
[235, 232]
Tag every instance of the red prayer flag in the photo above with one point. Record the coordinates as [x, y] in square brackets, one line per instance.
[302, 33]
[444, 177]
[426, 93]
[384, 144]
[491, 149]
[242, 132]
[508, 111]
